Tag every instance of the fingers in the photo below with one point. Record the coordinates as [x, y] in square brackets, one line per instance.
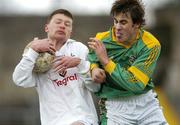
[102, 73]
[98, 79]
[98, 75]
[94, 40]
[52, 49]
[60, 64]
[59, 68]
[58, 58]
[44, 45]
[94, 43]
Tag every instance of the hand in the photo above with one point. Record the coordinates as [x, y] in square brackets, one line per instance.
[43, 45]
[100, 50]
[61, 64]
[98, 75]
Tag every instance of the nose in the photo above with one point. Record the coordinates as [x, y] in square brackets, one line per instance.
[118, 26]
[62, 25]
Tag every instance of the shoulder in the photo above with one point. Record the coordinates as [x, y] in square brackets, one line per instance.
[77, 44]
[102, 35]
[149, 40]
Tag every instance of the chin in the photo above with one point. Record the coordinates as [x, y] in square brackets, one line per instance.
[119, 39]
[60, 37]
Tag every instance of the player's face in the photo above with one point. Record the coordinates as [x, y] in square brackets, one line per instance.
[125, 30]
[59, 28]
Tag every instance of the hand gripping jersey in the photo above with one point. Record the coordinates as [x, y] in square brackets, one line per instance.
[130, 69]
[64, 98]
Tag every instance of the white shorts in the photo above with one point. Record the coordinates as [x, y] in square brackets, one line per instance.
[135, 110]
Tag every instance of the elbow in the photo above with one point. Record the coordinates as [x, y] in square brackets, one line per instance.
[21, 81]
[18, 80]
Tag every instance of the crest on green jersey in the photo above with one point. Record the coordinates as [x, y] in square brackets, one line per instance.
[132, 58]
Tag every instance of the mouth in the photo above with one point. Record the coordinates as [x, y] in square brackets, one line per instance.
[61, 32]
[118, 34]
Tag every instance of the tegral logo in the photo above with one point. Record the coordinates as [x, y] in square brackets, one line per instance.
[63, 74]
[64, 81]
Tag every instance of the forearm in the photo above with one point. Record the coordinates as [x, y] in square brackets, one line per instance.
[83, 66]
[85, 73]
[89, 83]
[124, 78]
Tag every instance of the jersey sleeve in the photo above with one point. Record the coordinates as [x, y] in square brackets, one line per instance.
[23, 74]
[136, 77]
[84, 69]
[92, 56]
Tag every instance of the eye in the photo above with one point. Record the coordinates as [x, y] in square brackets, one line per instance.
[68, 24]
[115, 21]
[123, 22]
[58, 21]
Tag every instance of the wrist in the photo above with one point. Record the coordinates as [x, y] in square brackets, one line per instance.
[104, 62]
[33, 46]
[77, 61]
[110, 67]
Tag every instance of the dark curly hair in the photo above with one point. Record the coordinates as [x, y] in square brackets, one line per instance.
[134, 7]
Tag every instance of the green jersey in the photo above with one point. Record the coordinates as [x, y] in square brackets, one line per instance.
[129, 71]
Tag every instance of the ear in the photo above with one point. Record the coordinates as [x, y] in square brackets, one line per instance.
[46, 28]
[136, 26]
[71, 32]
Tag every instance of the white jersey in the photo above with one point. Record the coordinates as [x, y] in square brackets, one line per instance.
[64, 98]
